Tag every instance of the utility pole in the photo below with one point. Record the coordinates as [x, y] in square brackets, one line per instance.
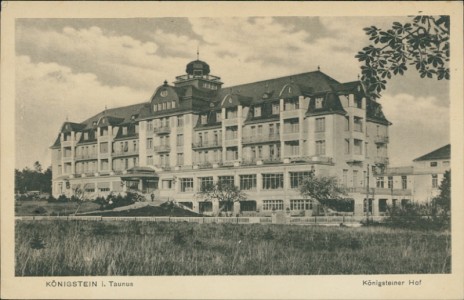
[367, 196]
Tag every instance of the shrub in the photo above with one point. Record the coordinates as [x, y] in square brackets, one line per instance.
[416, 216]
[40, 210]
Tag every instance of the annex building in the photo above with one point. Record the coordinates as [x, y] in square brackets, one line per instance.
[262, 136]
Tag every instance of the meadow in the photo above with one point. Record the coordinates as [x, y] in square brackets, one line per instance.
[75, 248]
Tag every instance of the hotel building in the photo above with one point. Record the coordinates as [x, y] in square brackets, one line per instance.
[262, 136]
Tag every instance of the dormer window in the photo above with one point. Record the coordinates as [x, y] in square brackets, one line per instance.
[257, 111]
[231, 113]
[203, 119]
[86, 136]
[155, 107]
[275, 108]
[218, 116]
[124, 130]
[319, 102]
[197, 73]
[173, 104]
[168, 104]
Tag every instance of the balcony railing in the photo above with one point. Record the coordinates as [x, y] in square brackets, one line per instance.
[381, 160]
[162, 130]
[313, 159]
[162, 148]
[260, 139]
[231, 142]
[378, 191]
[125, 153]
[207, 77]
[381, 139]
[291, 135]
[206, 144]
[86, 156]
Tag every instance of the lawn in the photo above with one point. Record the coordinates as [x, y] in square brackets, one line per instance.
[61, 248]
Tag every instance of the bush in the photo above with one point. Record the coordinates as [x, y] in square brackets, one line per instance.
[416, 216]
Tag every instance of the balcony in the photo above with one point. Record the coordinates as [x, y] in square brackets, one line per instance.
[378, 191]
[291, 136]
[207, 144]
[207, 77]
[86, 156]
[68, 143]
[381, 160]
[230, 121]
[260, 139]
[162, 148]
[125, 153]
[381, 139]
[312, 159]
[231, 143]
[290, 113]
[162, 130]
[164, 167]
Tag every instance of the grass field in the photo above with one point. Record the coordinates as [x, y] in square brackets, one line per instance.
[60, 248]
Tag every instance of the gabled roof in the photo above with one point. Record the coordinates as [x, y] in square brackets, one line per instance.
[330, 105]
[440, 153]
[374, 112]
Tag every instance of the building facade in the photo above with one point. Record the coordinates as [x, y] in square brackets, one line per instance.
[263, 136]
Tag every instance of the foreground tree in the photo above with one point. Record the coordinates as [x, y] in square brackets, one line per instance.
[324, 190]
[423, 43]
[33, 179]
[443, 200]
[225, 193]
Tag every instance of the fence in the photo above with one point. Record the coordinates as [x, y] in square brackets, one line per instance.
[217, 220]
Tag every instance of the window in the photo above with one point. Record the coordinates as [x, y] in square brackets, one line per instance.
[434, 181]
[232, 153]
[150, 160]
[269, 205]
[231, 133]
[390, 182]
[168, 105]
[180, 121]
[248, 182]
[173, 104]
[180, 159]
[273, 181]
[292, 126]
[355, 178]
[203, 119]
[358, 124]
[274, 151]
[382, 205]
[320, 124]
[104, 131]
[320, 147]
[319, 102]
[297, 177]
[155, 107]
[260, 152]
[257, 111]
[180, 140]
[380, 182]
[433, 164]
[293, 148]
[231, 113]
[149, 125]
[358, 147]
[186, 185]
[218, 116]
[149, 143]
[124, 130]
[345, 178]
[167, 184]
[446, 163]
[104, 165]
[291, 104]
[164, 160]
[275, 108]
[347, 123]
[86, 136]
[134, 144]
[404, 182]
[260, 130]
[205, 182]
[347, 146]
[228, 180]
[301, 204]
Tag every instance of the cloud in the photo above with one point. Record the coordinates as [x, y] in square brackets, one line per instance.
[47, 93]
[419, 126]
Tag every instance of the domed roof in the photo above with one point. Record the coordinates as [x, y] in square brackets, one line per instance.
[197, 65]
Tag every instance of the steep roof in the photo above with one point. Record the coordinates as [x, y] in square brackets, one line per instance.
[440, 153]
[125, 113]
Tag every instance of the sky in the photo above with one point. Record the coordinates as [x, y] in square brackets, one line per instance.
[74, 68]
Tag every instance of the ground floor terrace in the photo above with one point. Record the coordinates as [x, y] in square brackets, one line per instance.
[268, 190]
